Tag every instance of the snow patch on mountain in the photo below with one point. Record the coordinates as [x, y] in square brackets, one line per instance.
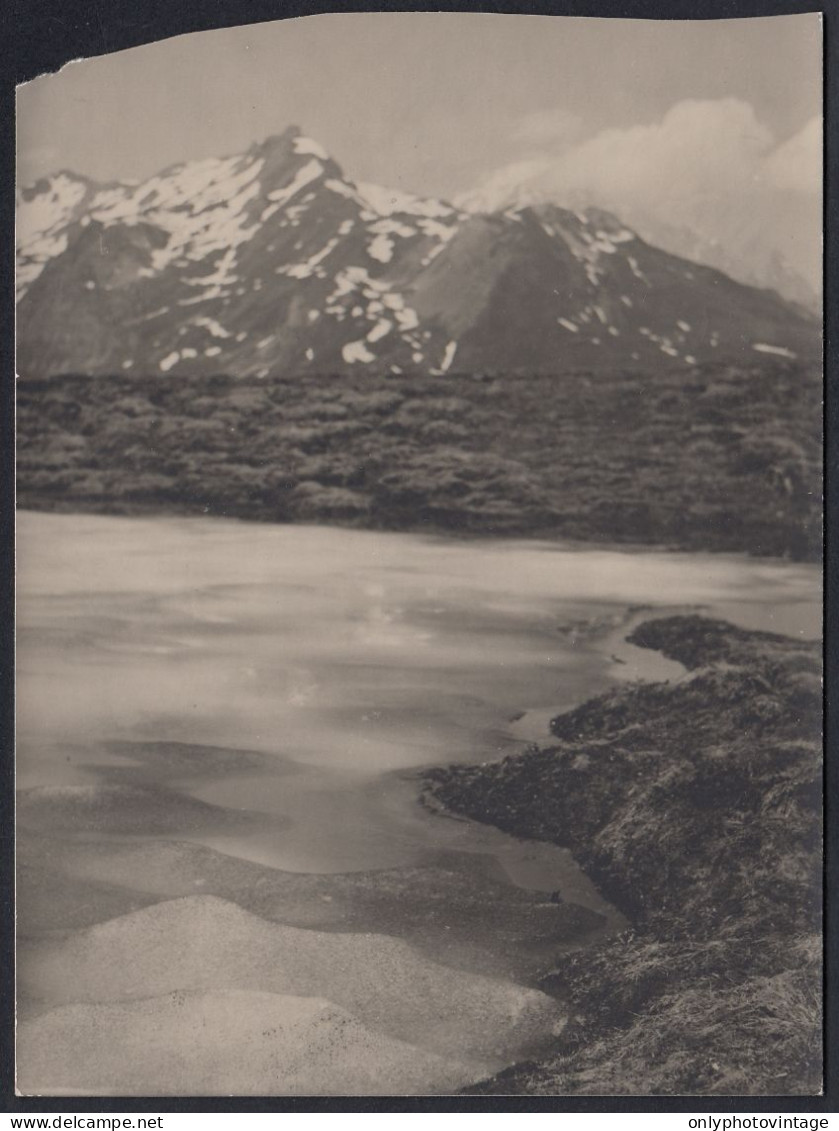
[170, 361]
[381, 248]
[448, 357]
[304, 144]
[301, 178]
[276, 246]
[305, 270]
[215, 329]
[386, 201]
[779, 351]
[356, 351]
[382, 327]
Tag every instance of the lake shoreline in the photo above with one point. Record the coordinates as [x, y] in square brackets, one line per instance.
[328, 672]
[668, 1007]
[701, 541]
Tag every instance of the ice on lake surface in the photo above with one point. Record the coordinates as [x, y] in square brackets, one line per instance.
[219, 729]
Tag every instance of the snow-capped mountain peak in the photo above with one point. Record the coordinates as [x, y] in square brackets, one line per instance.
[274, 261]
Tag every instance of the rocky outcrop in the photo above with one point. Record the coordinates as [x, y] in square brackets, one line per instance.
[696, 806]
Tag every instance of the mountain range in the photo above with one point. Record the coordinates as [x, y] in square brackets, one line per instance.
[741, 251]
[274, 262]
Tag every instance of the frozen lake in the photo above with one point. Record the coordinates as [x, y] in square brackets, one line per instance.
[219, 718]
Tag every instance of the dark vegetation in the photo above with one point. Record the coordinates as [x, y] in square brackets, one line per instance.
[696, 808]
[721, 457]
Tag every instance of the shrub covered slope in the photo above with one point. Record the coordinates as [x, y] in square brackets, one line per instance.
[721, 456]
[696, 807]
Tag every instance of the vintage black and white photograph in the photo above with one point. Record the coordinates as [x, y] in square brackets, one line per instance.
[419, 537]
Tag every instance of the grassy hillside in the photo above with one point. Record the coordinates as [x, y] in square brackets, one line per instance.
[696, 808]
[717, 457]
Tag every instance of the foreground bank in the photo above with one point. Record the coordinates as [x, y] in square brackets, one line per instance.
[696, 808]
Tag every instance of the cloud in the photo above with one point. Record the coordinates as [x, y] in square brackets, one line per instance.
[709, 148]
[698, 148]
[708, 175]
[797, 164]
[514, 182]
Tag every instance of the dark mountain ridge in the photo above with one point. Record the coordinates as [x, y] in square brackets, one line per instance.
[273, 261]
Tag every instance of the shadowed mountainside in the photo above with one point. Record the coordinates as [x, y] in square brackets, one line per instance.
[273, 262]
[696, 808]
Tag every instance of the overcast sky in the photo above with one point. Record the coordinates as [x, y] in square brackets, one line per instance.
[432, 102]
[712, 112]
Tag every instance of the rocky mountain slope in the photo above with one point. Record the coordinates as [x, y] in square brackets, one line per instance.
[273, 262]
[695, 805]
[746, 255]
